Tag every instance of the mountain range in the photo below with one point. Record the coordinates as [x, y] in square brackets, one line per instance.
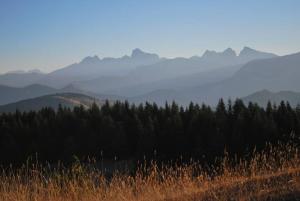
[276, 74]
[168, 69]
[93, 67]
[147, 77]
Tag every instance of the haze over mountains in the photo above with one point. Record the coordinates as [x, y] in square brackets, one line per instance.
[147, 77]
[13, 94]
[20, 78]
[168, 69]
[93, 67]
[276, 74]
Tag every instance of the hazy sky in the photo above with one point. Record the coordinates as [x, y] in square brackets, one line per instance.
[49, 34]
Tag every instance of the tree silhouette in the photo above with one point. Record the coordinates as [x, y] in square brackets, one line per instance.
[132, 132]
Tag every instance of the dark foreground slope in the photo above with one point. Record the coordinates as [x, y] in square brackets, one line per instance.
[143, 132]
[272, 175]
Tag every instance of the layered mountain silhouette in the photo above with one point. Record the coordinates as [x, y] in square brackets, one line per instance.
[275, 74]
[176, 83]
[168, 69]
[230, 57]
[93, 67]
[147, 77]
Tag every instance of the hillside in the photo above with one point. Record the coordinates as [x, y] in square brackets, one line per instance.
[20, 79]
[69, 100]
[262, 97]
[14, 94]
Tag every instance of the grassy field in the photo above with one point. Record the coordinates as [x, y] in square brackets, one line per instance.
[273, 174]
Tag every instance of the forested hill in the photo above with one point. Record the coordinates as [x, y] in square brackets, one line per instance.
[143, 132]
[263, 97]
[53, 100]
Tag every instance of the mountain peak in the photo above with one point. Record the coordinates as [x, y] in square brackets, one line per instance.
[35, 71]
[229, 52]
[247, 50]
[212, 54]
[209, 53]
[139, 54]
[90, 59]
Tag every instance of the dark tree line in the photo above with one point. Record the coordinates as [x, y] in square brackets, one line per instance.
[135, 132]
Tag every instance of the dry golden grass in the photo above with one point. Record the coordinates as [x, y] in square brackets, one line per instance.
[271, 175]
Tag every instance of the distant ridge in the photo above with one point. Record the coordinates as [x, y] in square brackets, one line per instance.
[146, 76]
[264, 96]
[21, 78]
[274, 74]
[94, 67]
[251, 54]
[167, 69]
[139, 66]
[68, 100]
[13, 94]
[231, 57]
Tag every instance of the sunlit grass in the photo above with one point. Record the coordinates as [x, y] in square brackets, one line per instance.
[271, 174]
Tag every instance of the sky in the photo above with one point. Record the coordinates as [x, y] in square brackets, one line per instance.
[50, 34]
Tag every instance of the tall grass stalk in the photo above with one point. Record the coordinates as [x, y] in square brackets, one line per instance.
[271, 174]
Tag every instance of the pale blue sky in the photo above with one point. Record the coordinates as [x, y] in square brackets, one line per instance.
[51, 34]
